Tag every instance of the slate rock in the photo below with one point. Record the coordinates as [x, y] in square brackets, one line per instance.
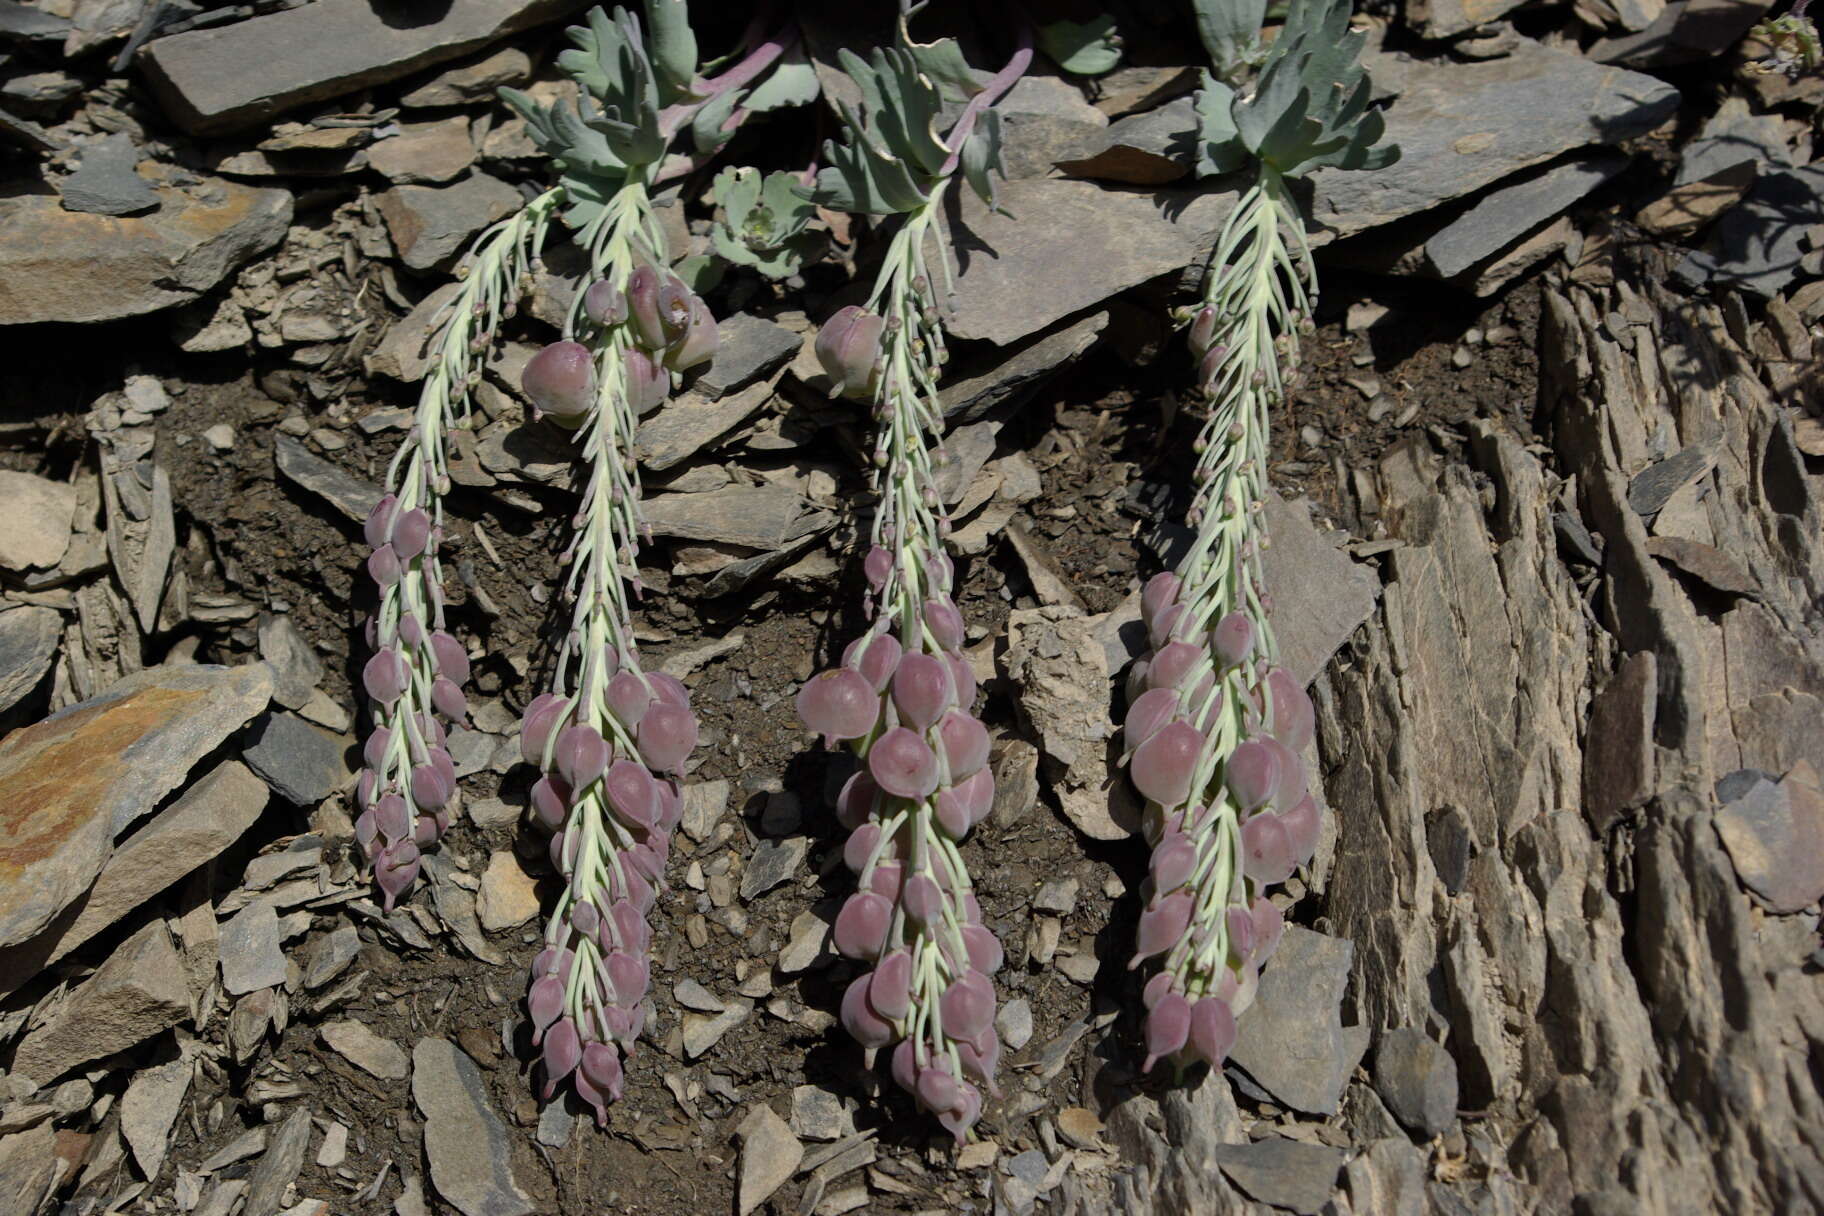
[465, 1141]
[1292, 1041]
[252, 953]
[1731, 138]
[424, 152]
[531, 452]
[1008, 376]
[1513, 209]
[1147, 149]
[372, 1053]
[750, 348]
[1463, 126]
[1417, 1079]
[432, 225]
[142, 990]
[79, 778]
[29, 1167]
[1448, 18]
[773, 862]
[688, 423]
[1707, 563]
[758, 517]
[1044, 120]
[1285, 1173]
[150, 1107]
[25, 23]
[278, 1168]
[296, 669]
[508, 895]
[702, 1032]
[479, 80]
[769, 1155]
[28, 642]
[348, 494]
[1757, 246]
[818, 1114]
[107, 182]
[40, 515]
[404, 352]
[234, 76]
[1654, 486]
[1775, 837]
[303, 764]
[1311, 628]
[68, 266]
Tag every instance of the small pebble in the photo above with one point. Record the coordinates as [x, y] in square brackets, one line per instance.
[1015, 1023]
[220, 437]
[1460, 357]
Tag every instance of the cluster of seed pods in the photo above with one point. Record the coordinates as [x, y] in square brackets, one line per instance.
[904, 703]
[609, 795]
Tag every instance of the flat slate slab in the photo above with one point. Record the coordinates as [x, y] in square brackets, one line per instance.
[239, 75]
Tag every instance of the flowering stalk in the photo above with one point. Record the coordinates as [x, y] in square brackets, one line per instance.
[417, 670]
[1214, 726]
[903, 697]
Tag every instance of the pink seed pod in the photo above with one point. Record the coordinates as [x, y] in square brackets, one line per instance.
[980, 1058]
[1209, 365]
[876, 566]
[1251, 773]
[1172, 665]
[367, 830]
[1162, 923]
[922, 899]
[544, 1002]
[861, 1021]
[964, 676]
[586, 920]
[977, 792]
[602, 1066]
[1161, 592]
[921, 689]
[1294, 721]
[451, 659]
[1160, 630]
[411, 629]
[630, 975]
[902, 763]
[1233, 638]
[848, 347]
[604, 303]
[1241, 933]
[383, 566]
[952, 809]
[890, 991]
[668, 688]
[1269, 927]
[1203, 330]
[1173, 862]
[965, 743]
[945, 624]
[394, 870]
[630, 927]
[666, 735]
[674, 308]
[373, 752]
[560, 381]
[862, 924]
[628, 699]
[643, 307]
[856, 801]
[1168, 1026]
[385, 677]
[671, 804]
[543, 714]
[1163, 766]
[1212, 1031]
[411, 532]
[379, 526]
[1156, 988]
[839, 704]
[968, 1006]
[448, 699]
[648, 383]
[1266, 853]
[393, 818]
[699, 341]
[887, 879]
[563, 1052]
[936, 1088]
[962, 1116]
[859, 847]
[985, 953]
[905, 1066]
[431, 789]
[1291, 784]
[875, 656]
[1147, 716]
[632, 793]
[1304, 825]
[581, 755]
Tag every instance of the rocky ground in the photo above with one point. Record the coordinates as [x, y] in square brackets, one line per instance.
[1547, 544]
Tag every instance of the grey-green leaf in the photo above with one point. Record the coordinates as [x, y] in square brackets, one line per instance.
[1082, 48]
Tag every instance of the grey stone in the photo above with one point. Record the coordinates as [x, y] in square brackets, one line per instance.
[28, 642]
[1044, 120]
[1012, 374]
[758, 517]
[704, 803]
[1758, 244]
[296, 669]
[1285, 1173]
[424, 152]
[969, 448]
[24, 23]
[40, 515]
[704, 1031]
[303, 764]
[1731, 137]
[1146, 149]
[555, 1125]
[465, 1141]
[252, 955]
[769, 1155]
[773, 862]
[750, 348]
[818, 1114]
[807, 945]
[1292, 1041]
[1775, 837]
[1417, 1079]
[691, 422]
[107, 181]
[403, 353]
[478, 80]
[1463, 126]
[372, 1053]
[142, 990]
[80, 778]
[149, 1109]
[1310, 628]
[70, 266]
[432, 225]
[1513, 209]
[1448, 18]
[348, 494]
[530, 452]
[234, 76]
[330, 955]
[1652, 487]
[274, 1172]
[1014, 1022]
[737, 575]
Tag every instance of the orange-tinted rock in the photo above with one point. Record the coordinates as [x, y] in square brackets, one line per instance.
[78, 779]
